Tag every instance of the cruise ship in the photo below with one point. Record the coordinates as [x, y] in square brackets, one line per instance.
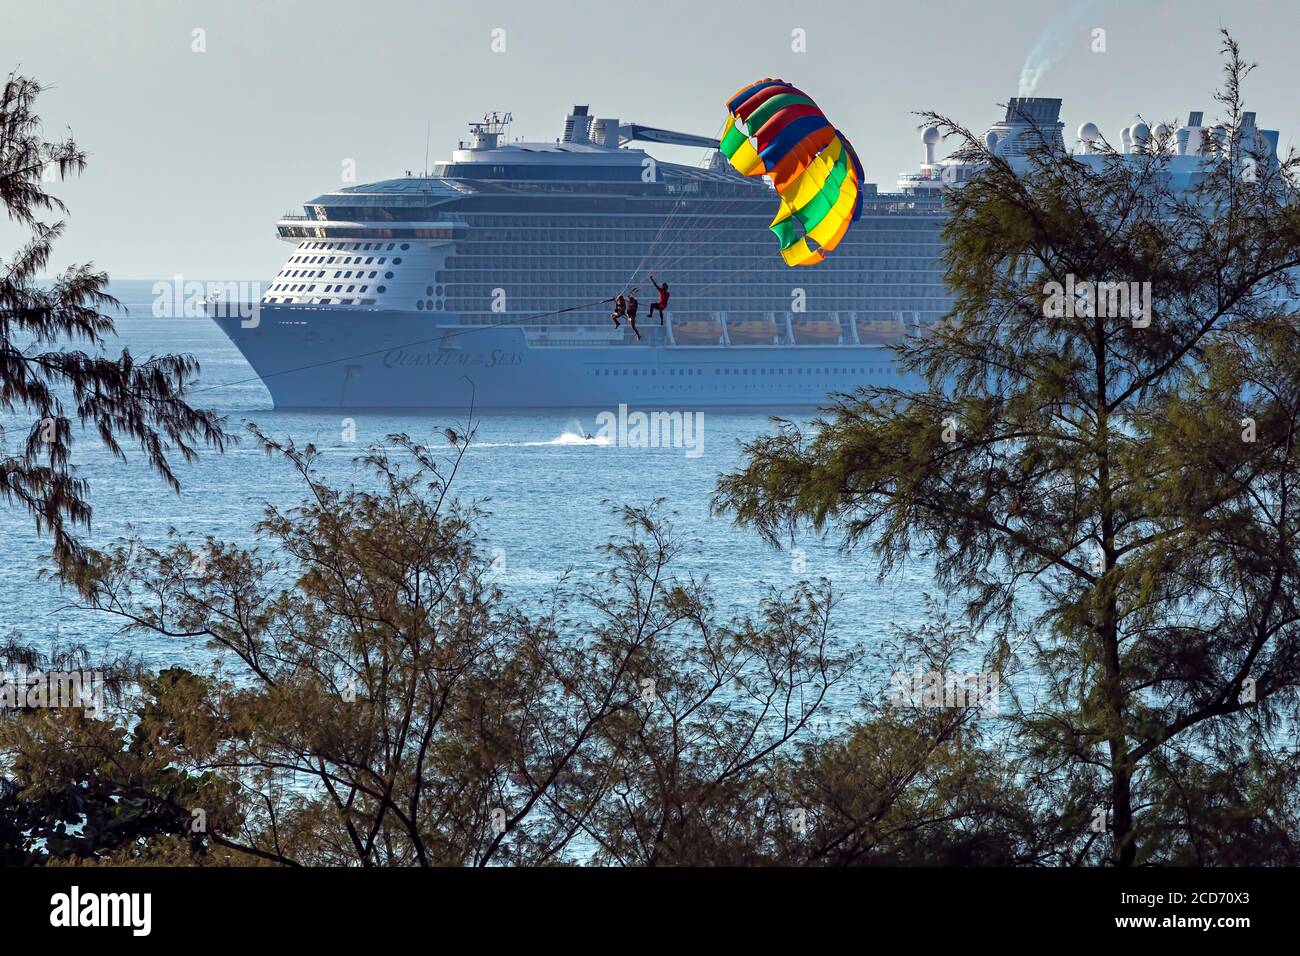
[486, 282]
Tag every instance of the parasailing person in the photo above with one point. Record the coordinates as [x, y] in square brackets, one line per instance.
[663, 300]
[632, 306]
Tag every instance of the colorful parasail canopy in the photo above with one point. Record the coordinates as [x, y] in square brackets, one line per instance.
[776, 130]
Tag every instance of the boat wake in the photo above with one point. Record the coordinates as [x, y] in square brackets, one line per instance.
[568, 438]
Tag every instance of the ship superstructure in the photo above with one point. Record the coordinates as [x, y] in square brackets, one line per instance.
[486, 279]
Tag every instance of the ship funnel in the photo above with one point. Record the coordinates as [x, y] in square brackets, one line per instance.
[1029, 120]
[577, 126]
[1041, 111]
[1189, 136]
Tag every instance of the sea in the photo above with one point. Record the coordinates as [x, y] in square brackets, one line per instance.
[550, 496]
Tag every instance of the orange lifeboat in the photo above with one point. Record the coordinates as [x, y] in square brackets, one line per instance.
[697, 332]
[816, 331]
[751, 331]
[880, 331]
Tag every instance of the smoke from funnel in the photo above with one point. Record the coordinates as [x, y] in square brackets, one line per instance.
[1051, 46]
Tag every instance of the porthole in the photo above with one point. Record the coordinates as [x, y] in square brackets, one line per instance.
[405, 246]
[428, 304]
[419, 304]
[428, 290]
[388, 275]
[382, 288]
[397, 260]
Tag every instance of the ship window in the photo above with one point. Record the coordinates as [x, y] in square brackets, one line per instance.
[428, 290]
[405, 246]
[388, 275]
[397, 261]
[419, 304]
[382, 289]
[352, 288]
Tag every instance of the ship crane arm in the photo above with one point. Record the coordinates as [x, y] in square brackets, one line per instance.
[651, 134]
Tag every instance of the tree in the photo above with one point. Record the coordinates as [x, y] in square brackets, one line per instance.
[383, 706]
[40, 377]
[59, 800]
[1113, 502]
[378, 702]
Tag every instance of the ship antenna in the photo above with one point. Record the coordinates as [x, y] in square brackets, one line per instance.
[427, 126]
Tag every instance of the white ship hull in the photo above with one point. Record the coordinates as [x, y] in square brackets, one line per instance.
[325, 358]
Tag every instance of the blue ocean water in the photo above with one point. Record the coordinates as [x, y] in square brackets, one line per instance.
[550, 499]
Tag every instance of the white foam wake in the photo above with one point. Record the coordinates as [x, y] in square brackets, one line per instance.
[568, 438]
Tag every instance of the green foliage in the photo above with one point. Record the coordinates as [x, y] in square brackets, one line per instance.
[378, 701]
[45, 376]
[1113, 502]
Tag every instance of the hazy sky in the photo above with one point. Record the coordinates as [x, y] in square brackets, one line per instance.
[194, 155]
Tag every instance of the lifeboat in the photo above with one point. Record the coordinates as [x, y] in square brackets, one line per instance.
[880, 331]
[751, 331]
[816, 331]
[697, 332]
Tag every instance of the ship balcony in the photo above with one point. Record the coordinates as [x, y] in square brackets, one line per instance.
[294, 228]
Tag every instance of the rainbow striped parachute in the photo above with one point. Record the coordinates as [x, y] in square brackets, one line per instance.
[777, 131]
